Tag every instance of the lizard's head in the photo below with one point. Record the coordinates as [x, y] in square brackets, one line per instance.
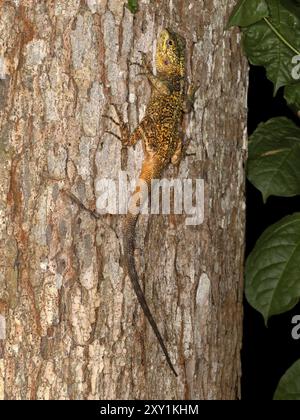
[170, 54]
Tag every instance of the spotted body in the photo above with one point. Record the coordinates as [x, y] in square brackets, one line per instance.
[159, 131]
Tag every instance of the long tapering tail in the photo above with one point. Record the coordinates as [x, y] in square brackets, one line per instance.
[129, 235]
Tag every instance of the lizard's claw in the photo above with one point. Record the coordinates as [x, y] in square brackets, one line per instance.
[144, 65]
[185, 147]
[111, 119]
[135, 63]
[144, 57]
[113, 134]
[192, 89]
[188, 105]
[80, 204]
[123, 127]
[143, 74]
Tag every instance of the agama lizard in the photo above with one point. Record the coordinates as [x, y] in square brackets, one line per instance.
[162, 143]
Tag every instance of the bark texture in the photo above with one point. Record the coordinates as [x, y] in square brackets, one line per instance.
[70, 325]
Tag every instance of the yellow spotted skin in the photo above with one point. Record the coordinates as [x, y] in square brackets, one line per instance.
[160, 127]
[162, 143]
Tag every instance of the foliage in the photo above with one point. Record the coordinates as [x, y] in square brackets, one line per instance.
[289, 385]
[132, 5]
[271, 38]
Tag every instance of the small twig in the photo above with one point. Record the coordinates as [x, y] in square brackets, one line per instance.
[113, 134]
[111, 119]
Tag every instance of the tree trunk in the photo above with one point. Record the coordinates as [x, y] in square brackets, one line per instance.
[70, 324]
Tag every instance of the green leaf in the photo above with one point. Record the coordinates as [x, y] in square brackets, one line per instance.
[273, 42]
[289, 385]
[292, 96]
[132, 5]
[293, 6]
[273, 269]
[274, 158]
[247, 12]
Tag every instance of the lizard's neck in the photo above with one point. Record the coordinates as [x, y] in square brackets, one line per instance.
[170, 84]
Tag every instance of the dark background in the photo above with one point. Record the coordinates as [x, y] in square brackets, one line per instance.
[267, 351]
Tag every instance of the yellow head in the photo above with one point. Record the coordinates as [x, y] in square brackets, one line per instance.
[170, 54]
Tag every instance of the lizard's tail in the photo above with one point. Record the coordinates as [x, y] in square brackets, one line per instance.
[129, 235]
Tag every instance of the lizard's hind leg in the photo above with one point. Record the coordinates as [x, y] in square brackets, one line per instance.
[125, 137]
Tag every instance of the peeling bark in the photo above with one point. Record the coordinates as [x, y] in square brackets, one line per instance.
[70, 325]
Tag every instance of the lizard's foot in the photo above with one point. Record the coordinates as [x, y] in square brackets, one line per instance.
[188, 105]
[185, 147]
[176, 167]
[76, 200]
[192, 89]
[123, 127]
[144, 65]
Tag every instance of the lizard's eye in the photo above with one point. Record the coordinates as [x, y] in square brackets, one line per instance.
[170, 42]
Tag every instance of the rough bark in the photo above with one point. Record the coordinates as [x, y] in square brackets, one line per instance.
[70, 325]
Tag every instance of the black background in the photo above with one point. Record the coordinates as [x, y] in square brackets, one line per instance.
[267, 351]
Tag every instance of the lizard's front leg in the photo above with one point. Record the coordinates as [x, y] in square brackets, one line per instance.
[156, 82]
